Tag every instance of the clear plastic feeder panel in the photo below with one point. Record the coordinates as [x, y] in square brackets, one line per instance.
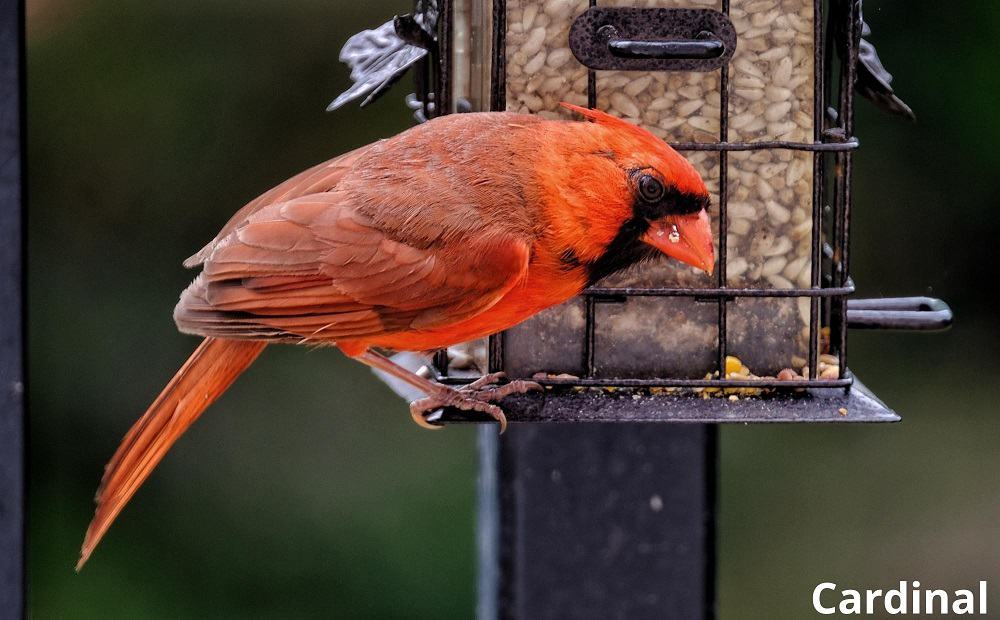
[772, 73]
[676, 106]
[654, 337]
[471, 48]
[551, 341]
[770, 192]
[541, 69]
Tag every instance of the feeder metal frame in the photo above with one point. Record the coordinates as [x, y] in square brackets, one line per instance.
[836, 284]
[832, 146]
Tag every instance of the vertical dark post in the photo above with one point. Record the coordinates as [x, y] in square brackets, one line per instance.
[597, 521]
[11, 342]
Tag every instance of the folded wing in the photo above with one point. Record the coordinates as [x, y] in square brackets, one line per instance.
[317, 268]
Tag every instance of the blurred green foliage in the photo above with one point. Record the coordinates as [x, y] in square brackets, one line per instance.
[306, 492]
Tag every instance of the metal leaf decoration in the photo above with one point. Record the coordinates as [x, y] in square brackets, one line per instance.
[873, 81]
[379, 57]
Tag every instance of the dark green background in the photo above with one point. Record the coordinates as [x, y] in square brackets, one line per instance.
[307, 491]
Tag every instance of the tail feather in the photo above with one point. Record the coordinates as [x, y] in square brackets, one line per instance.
[209, 371]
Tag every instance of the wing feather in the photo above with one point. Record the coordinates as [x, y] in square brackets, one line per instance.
[320, 178]
[314, 267]
[393, 236]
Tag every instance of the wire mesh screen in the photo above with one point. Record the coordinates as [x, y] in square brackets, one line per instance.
[771, 133]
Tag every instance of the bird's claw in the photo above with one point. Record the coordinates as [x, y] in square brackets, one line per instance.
[477, 396]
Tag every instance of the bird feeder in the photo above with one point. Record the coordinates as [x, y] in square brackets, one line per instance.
[759, 96]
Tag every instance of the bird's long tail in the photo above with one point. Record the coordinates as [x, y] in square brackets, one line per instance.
[211, 369]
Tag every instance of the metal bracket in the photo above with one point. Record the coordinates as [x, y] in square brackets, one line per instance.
[629, 39]
[409, 29]
[909, 313]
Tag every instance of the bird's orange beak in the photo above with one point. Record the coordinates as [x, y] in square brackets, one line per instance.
[687, 238]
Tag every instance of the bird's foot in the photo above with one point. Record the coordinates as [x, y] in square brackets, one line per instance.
[477, 396]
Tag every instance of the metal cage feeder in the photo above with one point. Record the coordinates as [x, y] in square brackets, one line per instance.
[759, 96]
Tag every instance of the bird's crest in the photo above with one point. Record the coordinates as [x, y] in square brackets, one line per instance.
[681, 172]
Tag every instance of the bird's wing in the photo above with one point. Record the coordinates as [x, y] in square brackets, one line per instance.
[316, 267]
[320, 178]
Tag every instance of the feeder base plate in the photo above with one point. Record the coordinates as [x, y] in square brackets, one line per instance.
[821, 405]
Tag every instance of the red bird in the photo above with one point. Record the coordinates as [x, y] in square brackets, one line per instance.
[451, 231]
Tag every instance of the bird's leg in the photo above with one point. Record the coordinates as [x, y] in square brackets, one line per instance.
[477, 396]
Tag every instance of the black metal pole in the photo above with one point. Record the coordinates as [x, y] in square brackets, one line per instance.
[12, 582]
[597, 521]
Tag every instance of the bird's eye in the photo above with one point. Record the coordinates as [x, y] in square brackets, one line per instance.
[650, 188]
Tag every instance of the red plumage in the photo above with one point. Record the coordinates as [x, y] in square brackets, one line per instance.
[451, 231]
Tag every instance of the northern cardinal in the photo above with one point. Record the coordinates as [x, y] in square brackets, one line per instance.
[453, 230]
